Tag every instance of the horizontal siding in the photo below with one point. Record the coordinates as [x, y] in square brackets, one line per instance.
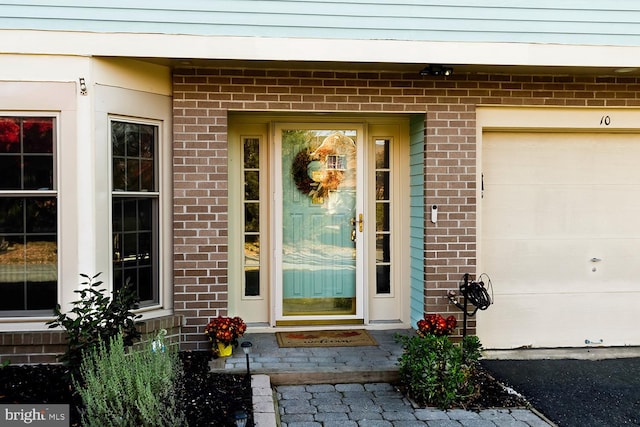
[417, 217]
[543, 21]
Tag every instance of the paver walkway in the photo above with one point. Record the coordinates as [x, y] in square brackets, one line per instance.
[347, 386]
[378, 405]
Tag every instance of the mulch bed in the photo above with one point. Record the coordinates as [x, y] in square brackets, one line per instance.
[209, 399]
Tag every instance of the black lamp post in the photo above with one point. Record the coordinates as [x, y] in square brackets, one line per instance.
[246, 347]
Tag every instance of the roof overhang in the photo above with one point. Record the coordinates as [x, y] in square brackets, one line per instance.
[391, 55]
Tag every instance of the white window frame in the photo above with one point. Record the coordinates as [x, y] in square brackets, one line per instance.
[152, 195]
[53, 192]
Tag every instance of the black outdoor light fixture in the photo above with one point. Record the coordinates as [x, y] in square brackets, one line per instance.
[246, 347]
[436, 70]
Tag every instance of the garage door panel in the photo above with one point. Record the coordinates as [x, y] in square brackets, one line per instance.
[526, 211]
[525, 266]
[569, 210]
[571, 158]
[547, 321]
[515, 159]
[560, 231]
[616, 210]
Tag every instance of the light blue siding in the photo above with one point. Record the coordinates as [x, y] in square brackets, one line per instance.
[543, 21]
[417, 217]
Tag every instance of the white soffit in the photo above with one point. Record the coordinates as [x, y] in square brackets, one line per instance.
[321, 50]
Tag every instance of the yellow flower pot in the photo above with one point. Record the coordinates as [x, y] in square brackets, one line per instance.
[224, 350]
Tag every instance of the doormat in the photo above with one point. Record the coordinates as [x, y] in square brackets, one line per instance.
[342, 338]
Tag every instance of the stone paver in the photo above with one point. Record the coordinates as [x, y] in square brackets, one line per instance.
[380, 404]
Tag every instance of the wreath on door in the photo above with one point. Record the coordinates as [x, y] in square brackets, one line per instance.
[311, 172]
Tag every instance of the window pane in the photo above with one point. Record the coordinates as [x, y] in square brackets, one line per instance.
[251, 185]
[146, 175]
[119, 174]
[383, 254]
[130, 215]
[130, 248]
[10, 173]
[41, 254]
[252, 249]
[147, 141]
[132, 139]
[252, 217]
[38, 135]
[145, 284]
[382, 185]
[382, 154]
[383, 279]
[9, 135]
[145, 215]
[42, 295]
[11, 215]
[41, 215]
[12, 293]
[251, 281]
[117, 138]
[13, 261]
[38, 172]
[251, 153]
[133, 175]
[382, 217]
[144, 248]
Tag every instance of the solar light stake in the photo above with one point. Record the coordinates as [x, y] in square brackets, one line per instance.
[246, 347]
[240, 417]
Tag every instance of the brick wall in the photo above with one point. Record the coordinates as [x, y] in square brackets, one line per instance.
[44, 347]
[203, 96]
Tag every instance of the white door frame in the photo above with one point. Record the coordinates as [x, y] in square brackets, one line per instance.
[277, 225]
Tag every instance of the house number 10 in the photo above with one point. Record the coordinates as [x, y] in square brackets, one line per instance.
[605, 120]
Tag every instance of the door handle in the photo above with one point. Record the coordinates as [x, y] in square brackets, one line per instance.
[594, 259]
[359, 221]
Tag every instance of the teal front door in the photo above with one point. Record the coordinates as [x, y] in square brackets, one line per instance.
[320, 231]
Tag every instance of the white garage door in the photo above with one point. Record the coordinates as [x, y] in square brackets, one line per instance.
[560, 239]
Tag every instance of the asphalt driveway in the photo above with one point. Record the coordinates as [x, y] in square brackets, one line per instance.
[580, 393]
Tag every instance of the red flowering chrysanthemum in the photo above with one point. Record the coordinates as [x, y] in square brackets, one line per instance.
[225, 330]
[435, 324]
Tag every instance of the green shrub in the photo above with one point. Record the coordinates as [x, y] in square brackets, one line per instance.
[135, 388]
[96, 318]
[433, 371]
[471, 350]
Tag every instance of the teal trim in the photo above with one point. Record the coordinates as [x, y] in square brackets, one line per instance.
[416, 241]
[524, 21]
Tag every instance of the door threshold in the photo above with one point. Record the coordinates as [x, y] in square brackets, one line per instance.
[324, 322]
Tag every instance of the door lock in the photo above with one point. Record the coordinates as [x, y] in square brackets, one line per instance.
[359, 221]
